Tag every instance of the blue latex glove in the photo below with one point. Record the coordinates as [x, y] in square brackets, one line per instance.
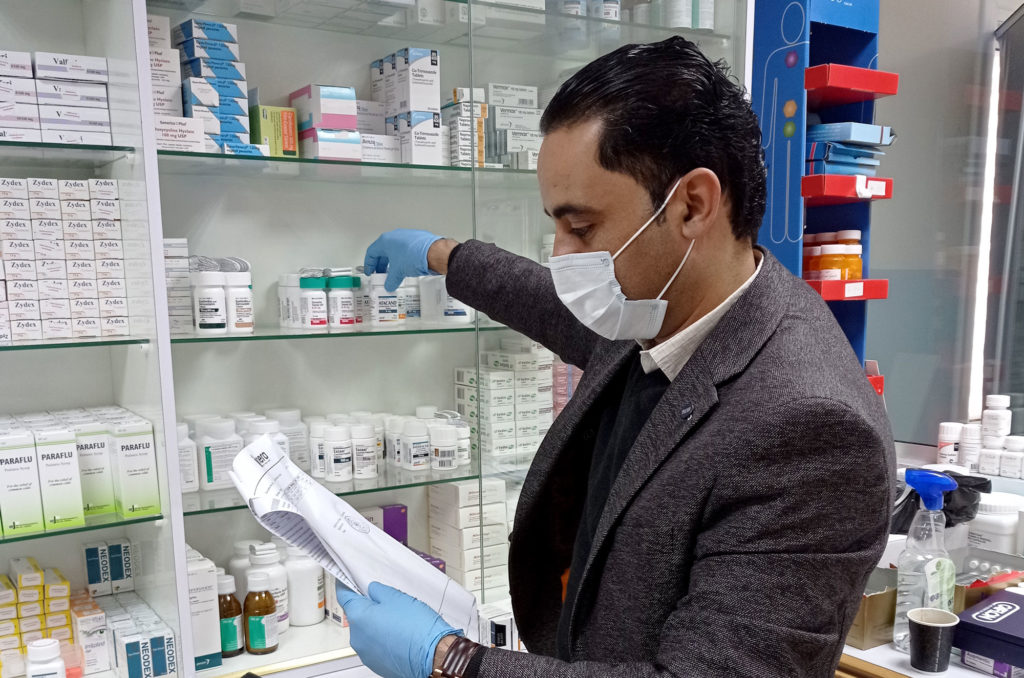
[394, 634]
[401, 253]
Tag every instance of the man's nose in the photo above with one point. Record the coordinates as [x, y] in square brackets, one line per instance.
[563, 245]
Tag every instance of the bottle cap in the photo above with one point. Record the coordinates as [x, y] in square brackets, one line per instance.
[244, 424]
[930, 485]
[1014, 443]
[282, 280]
[362, 431]
[833, 249]
[293, 279]
[238, 278]
[257, 581]
[851, 234]
[316, 428]
[287, 416]
[445, 434]
[264, 553]
[242, 547]
[337, 433]
[826, 238]
[426, 412]
[855, 249]
[815, 251]
[182, 431]
[1000, 502]
[950, 430]
[343, 282]
[997, 402]
[810, 238]
[225, 584]
[312, 283]
[238, 416]
[970, 433]
[43, 650]
[263, 426]
[207, 279]
[219, 428]
[992, 442]
[414, 428]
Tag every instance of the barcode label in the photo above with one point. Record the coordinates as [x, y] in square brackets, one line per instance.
[445, 454]
[445, 464]
[526, 102]
[460, 393]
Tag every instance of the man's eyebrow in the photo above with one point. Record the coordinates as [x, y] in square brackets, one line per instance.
[569, 209]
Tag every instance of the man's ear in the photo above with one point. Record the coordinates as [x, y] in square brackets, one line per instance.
[695, 205]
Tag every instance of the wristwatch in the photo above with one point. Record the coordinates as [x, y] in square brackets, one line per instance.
[456, 659]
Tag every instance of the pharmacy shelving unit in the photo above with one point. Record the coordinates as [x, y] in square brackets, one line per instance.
[282, 214]
[816, 57]
[132, 371]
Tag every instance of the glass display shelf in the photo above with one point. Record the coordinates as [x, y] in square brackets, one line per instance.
[279, 333]
[505, 28]
[69, 343]
[178, 163]
[91, 523]
[299, 647]
[31, 154]
[217, 501]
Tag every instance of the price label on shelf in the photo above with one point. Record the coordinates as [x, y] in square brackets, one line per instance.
[854, 290]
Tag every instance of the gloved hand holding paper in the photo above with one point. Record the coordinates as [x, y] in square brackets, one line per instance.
[293, 506]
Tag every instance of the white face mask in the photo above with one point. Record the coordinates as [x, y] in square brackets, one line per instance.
[586, 284]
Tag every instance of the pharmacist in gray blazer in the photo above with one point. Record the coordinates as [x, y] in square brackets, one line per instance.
[719, 487]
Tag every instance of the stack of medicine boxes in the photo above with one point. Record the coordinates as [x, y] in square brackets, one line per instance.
[66, 103]
[136, 633]
[165, 66]
[464, 115]
[513, 408]
[35, 604]
[328, 119]
[213, 84]
[179, 292]
[513, 126]
[461, 521]
[410, 80]
[63, 254]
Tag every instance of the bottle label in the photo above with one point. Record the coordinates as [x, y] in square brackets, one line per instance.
[419, 454]
[939, 585]
[444, 458]
[231, 634]
[386, 308]
[219, 457]
[243, 312]
[949, 453]
[280, 594]
[365, 456]
[210, 312]
[830, 274]
[320, 590]
[343, 310]
[262, 631]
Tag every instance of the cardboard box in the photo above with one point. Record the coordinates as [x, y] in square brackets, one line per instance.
[54, 66]
[330, 144]
[74, 119]
[64, 93]
[15, 64]
[208, 30]
[994, 628]
[275, 127]
[417, 80]
[325, 107]
[18, 90]
[874, 621]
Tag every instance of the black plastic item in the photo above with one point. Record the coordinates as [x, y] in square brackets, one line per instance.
[960, 505]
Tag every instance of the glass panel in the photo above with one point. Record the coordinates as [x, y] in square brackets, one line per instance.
[277, 333]
[91, 523]
[68, 343]
[214, 501]
[29, 154]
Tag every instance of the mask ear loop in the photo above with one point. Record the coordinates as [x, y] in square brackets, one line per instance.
[649, 221]
[678, 270]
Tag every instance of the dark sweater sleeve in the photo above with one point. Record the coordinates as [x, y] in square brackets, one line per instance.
[519, 293]
[473, 670]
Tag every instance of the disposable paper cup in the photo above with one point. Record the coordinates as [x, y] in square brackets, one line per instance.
[931, 638]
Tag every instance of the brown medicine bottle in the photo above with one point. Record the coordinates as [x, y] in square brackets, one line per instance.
[260, 615]
[232, 639]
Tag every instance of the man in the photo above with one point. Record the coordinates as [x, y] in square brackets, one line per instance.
[719, 487]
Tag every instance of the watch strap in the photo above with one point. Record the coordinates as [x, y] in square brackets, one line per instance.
[456, 659]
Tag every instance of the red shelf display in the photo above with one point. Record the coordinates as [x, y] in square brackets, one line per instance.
[838, 189]
[850, 290]
[835, 85]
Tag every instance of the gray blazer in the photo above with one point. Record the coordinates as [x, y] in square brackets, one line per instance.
[740, 532]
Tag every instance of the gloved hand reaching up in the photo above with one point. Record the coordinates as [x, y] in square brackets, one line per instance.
[401, 253]
[394, 634]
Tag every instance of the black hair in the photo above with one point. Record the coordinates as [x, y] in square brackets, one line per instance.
[666, 110]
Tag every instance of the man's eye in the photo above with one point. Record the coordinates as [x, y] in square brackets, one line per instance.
[580, 231]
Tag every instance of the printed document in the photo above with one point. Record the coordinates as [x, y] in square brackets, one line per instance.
[293, 506]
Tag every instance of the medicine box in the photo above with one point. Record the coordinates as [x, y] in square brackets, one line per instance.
[204, 48]
[17, 250]
[420, 137]
[44, 208]
[54, 309]
[25, 571]
[325, 107]
[468, 538]
[84, 308]
[417, 80]
[514, 117]
[179, 134]
[29, 594]
[233, 107]
[59, 478]
[86, 327]
[135, 480]
[167, 100]
[202, 596]
[15, 229]
[208, 30]
[493, 397]
[15, 64]
[15, 115]
[166, 79]
[74, 119]
[467, 493]
[476, 580]
[233, 124]
[82, 289]
[466, 94]
[199, 92]
[97, 568]
[20, 134]
[65, 93]
[80, 269]
[330, 144]
[511, 361]
[370, 117]
[8, 592]
[489, 378]
[105, 210]
[468, 516]
[232, 89]
[471, 559]
[20, 290]
[70, 189]
[18, 90]
[54, 66]
[159, 30]
[122, 565]
[14, 188]
[20, 503]
[62, 136]
[511, 95]
[381, 148]
[103, 189]
[55, 289]
[20, 270]
[465, 110]
[53, 605]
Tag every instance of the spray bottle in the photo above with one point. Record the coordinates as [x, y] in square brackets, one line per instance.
[926, 574]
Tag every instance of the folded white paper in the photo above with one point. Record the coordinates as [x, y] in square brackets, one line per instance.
[293, 506]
